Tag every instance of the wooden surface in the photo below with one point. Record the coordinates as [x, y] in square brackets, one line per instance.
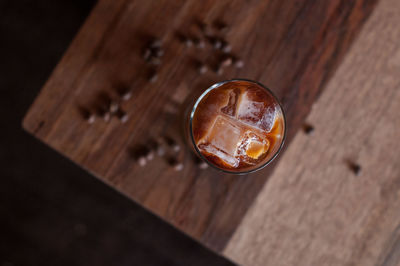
[290, 46]
[314, 210]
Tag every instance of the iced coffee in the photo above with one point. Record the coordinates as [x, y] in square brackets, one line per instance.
[237, 126]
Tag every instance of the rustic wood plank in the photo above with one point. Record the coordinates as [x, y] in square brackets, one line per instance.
[291, 46]
[314, 210]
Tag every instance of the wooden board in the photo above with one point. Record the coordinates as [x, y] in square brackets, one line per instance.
[292, 47]
[314, 210]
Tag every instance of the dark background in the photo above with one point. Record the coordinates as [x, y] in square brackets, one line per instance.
[51, 211]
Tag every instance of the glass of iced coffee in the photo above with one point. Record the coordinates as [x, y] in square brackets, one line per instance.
[236, 126]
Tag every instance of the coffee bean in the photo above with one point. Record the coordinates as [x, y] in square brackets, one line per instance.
[142, 161]
[124, 118]
[150, 155]
[156, 43]
[160, 151]
[308, 129]
[87, 115]
[355, 168]
[178, 167]
[199, 43]
[100, 110]
[202, 165]
[219, 70]
[203, 69]
[199, 162]
[217, 44]
[122, 115]
[220, 26]
[126, 95]
[239, 63]
[223, 29]
[173, 162]
[107, 116]
[153, 77]
[159, 52]
[188, 42]
[226, 48]
[147, 54]
[176, 147]
[91, 118]
[172, 144]
[114, 106]
[226, 62]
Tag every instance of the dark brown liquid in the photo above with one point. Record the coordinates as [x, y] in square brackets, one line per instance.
[238, 126]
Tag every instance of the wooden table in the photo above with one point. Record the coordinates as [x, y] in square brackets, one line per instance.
[313, 209]
[291, 46]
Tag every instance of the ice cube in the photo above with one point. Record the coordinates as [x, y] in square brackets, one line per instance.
[222, 140]
[211, 149]
[230, 108]
[252, 147]
[255, 112]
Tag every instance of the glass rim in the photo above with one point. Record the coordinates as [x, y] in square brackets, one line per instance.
[219, 84]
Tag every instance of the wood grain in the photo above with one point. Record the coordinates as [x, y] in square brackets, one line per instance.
[293, 47]
[314, 210]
